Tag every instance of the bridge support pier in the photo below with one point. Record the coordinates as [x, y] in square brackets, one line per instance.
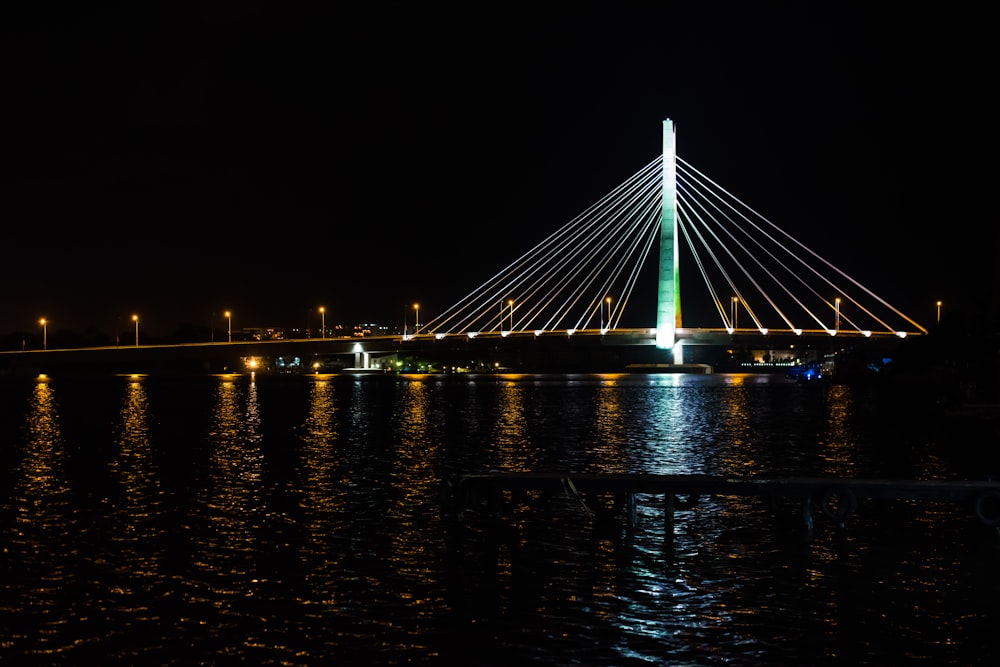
[362, 359]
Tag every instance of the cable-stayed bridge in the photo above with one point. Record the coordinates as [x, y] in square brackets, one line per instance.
[569, 295]
[583, 278]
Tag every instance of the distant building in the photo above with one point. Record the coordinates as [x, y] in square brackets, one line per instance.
[361, 330]
[263, 333]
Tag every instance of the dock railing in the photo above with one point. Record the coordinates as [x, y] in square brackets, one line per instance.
[608, 495]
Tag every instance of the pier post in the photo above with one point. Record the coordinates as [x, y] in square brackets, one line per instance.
[631, 514]
[807, 515]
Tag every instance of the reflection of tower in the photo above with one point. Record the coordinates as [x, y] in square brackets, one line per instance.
[668, 311]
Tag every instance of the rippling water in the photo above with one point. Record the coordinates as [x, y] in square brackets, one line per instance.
[296, 521]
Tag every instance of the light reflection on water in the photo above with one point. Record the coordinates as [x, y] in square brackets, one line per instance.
[41, 522]
[296, 520]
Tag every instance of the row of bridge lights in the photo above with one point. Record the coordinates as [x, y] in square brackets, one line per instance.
[734, 313]
[510, 304]
[45, 331]
[135, 318]
[229, 326]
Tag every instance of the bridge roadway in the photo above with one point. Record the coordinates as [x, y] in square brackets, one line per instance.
[588, 349]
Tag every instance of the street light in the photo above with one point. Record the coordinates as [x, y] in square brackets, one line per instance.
[416, 326]
[938, 312]
[607, 300]
[322, 327]
[735, 311]
[510, 302]
[135, 318]
[229, 321]
[836, 326]
[45, 333]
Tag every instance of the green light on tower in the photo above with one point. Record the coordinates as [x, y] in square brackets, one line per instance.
[668, 315]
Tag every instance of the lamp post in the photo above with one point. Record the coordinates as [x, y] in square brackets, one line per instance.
[510, 302]
[607, 300]
[229, 325]
[735, 311]
[45, 333]
[135, 318]
[416, 311]
[836, 324]
[322, 326]
[938, 312]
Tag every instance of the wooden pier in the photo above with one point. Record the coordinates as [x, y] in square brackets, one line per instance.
[611, 495]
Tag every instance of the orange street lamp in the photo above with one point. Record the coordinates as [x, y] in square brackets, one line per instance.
[735, 311]
[135, 318]
[45, 333]
[322, 327]
[229, 323]
[416, 326]
[938, 312]
[510, 302]
[836, 324]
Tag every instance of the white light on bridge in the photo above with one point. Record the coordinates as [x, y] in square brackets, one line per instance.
[866, 334]
[763, 331]
[730, 330]
[797, 332]
[570, 332]
[358, 348]
[901, 334]
[539, 332]
[832, 332]
[472, 334]
[439, 336]
[504, 334]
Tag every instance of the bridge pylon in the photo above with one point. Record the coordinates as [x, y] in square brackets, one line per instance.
[668, 310]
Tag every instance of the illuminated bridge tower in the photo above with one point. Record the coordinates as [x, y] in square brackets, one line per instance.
[668, 309]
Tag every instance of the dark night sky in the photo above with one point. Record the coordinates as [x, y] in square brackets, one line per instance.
[176, 161]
